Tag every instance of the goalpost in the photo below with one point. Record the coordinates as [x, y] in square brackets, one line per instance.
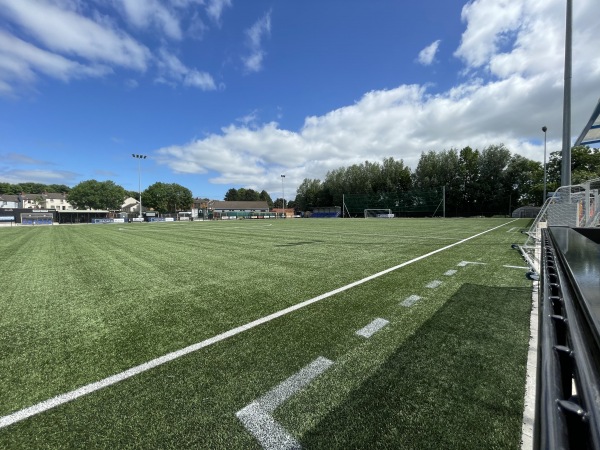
[380, 213]
[411, 203]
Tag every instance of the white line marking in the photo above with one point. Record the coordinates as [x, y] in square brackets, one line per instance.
[464, 263]
[450, 272]
[372, 328]
[434, 284]
[512, 229]
[284, 390]
[113, 379]
[256, 416]
[263, 427]
[516, 267]
[409, 301]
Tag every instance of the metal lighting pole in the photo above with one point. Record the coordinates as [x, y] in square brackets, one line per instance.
[565, 175]
[283, 194]
[544, 129]
[139, 158]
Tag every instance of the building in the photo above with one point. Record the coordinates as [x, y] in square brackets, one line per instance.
[280, 212]
[57, 201]
[45, 200]
[239, 209]
[9, 201]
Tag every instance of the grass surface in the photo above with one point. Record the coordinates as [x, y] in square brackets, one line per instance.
[81, 303]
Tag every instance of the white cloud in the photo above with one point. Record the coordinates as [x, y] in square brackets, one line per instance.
[489, 24]
[525, 92]
[20, 62]
[67, 32]
[147, 13]
[427, 55]
[215, 9]
[38, 176]
[175, 72]
[68, 39]
[255, 35]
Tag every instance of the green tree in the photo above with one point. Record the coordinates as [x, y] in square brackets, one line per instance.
[524, 182]
[307, 194]
[57, 188]
[492, 195]
[437, 170]
[231, 195]
[132, 194]
[167, 197]
[265, 197]
[92, 194]
[242, 194]
[32, 188]
[585, 165]
[7, 188]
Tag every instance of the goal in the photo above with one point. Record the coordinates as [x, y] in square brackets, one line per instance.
[378, 213]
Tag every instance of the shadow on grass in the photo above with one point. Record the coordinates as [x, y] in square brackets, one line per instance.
[295, 244]
[457, 383]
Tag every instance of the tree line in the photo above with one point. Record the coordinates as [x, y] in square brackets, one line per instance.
[107, 195]
[490, 181]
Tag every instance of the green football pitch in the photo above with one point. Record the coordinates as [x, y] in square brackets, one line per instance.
[312, 333]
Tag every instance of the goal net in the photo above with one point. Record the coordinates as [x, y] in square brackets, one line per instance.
[413, 203]
[378, 213]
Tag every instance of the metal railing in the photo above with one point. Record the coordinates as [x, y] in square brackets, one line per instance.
[568, 372]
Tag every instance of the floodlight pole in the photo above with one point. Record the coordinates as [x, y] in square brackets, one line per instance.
[283, 194]
[544, 129]
[139, 158]
[565, 174]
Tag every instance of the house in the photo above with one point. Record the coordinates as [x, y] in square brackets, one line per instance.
[130, 206]
[57, 201]
[9, 201]
[45, 200]
[31, 201]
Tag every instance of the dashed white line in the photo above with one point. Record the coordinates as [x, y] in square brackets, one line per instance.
[409, 301]
[372, 328]
[433, 284]
[465, 263]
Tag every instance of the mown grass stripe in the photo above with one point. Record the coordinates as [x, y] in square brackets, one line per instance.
[111, 380]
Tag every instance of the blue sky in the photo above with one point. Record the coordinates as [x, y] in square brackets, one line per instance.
[230, 93]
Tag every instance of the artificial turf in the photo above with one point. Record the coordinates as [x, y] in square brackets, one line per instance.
[85, 302]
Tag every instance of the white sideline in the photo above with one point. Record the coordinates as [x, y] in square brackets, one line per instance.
[257, 416]
[53, 402]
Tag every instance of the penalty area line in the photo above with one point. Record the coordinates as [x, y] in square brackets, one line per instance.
[61, 399]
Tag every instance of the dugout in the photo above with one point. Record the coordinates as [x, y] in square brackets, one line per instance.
[326, 212]
[37, 218]
[28, 216]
